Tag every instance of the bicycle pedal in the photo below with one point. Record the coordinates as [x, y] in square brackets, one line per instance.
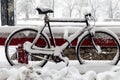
[66, 60]
[56, 59]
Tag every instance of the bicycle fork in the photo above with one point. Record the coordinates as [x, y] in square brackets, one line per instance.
[97, 47]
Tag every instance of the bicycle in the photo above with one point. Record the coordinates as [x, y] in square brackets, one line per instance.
[36, 43]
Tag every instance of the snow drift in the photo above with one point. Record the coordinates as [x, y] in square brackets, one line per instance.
[67, 73]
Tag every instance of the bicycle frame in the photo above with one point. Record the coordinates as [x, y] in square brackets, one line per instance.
[55, 53]
[63, 46]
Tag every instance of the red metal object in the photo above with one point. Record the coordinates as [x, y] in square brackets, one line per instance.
[22, 56]
[26, 58]
[59, 41]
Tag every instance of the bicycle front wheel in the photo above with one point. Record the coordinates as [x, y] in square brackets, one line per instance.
[107, 43]
[19, 37]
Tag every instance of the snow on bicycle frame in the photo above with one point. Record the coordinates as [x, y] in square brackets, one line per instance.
[54, 52]
[57, 50]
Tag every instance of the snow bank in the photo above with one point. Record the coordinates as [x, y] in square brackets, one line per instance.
[67, 73]
[113, 74]
[24, 73]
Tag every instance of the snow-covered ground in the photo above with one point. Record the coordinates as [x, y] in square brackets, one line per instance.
[59, 71]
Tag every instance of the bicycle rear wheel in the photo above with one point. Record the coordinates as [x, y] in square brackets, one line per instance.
[19, 37]
[109, 46]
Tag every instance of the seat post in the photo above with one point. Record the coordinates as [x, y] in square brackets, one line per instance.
[46, 18]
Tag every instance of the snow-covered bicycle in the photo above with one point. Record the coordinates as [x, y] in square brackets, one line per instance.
[102, 44]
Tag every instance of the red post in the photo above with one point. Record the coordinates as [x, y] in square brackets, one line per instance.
[22, 56]
[26, 58]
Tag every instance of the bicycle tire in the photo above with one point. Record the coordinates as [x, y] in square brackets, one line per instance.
[19, 37]
[109, 43]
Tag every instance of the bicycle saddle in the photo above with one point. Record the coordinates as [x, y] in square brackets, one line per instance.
[44, 10]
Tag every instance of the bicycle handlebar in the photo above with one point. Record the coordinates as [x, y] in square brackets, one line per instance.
[88, 15]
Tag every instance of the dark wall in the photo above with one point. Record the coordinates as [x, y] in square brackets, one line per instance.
[7, 12]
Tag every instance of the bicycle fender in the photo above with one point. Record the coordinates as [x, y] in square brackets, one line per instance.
[35, 28]
[97, 29]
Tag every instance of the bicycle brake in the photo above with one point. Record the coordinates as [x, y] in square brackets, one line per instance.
[92, 32]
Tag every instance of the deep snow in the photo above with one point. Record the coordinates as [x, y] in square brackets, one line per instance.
[59, 71]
